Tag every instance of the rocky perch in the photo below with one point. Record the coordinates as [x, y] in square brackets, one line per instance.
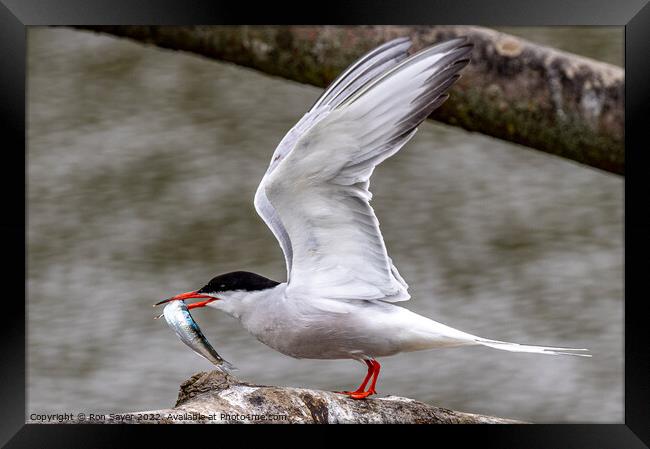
[216, 397]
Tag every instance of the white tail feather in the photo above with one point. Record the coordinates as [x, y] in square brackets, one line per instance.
[516, 347]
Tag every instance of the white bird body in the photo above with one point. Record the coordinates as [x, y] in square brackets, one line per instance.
[323, 328]
[341, 284]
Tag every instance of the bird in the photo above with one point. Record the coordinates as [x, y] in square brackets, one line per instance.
[340, 297]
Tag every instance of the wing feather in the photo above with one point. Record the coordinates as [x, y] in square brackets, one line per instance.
[366, 68]
[318, 186]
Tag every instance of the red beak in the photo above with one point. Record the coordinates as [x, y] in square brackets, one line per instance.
[184, 296]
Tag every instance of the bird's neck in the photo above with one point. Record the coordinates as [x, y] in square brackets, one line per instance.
[239, 303]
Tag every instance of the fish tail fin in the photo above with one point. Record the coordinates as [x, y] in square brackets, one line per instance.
[226, 367]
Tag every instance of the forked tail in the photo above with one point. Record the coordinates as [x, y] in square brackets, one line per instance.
[516, 347]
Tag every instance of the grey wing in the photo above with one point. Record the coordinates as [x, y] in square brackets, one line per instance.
[319, 190]
[369, 66]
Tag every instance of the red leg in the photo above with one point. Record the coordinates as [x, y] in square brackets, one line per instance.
[199, 304]
[373, 384]
[362, 387]
[373, 370]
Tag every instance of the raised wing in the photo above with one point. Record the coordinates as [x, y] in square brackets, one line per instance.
[318, 189]
[367, 67]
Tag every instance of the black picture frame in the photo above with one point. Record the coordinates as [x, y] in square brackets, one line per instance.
[634, 15]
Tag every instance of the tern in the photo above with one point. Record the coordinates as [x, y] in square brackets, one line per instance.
[339, 298]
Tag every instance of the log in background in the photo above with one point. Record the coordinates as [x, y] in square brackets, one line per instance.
[537, 96]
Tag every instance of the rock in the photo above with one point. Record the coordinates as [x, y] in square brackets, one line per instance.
[216, 397]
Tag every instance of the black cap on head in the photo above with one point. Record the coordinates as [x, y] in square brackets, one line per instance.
[238, 280]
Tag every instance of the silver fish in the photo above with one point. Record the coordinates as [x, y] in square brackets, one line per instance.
[180, 320]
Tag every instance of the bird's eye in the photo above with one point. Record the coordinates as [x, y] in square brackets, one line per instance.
[222, 285]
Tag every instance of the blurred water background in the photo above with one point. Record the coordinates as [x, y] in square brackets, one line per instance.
[142, 165]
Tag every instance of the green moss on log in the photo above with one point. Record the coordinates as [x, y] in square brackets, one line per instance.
[536, 96]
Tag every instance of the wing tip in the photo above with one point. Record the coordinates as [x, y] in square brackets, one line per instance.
[400, 40]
